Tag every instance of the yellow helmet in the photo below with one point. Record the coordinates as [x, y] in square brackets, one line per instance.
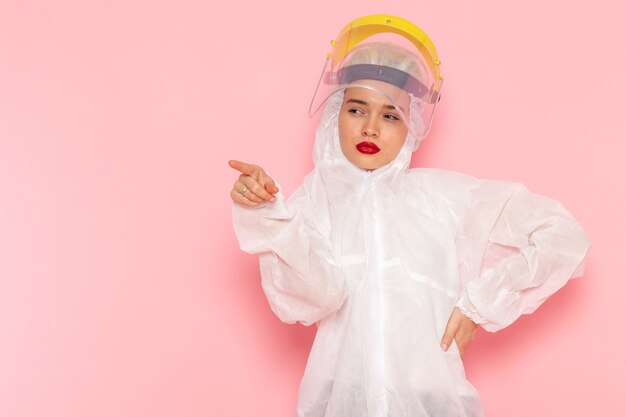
[389, 49]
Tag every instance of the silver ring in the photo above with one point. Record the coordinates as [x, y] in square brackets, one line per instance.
[244, 190]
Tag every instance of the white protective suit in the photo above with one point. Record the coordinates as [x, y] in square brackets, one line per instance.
[379, 260]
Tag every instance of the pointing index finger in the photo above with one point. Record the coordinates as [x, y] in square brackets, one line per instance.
[242, 167]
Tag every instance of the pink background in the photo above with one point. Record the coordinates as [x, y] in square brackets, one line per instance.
[122, 289]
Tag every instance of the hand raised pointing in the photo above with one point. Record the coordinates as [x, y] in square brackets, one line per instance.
[254, 186]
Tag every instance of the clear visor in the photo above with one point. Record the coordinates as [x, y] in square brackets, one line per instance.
[390, 56]
[398, 100]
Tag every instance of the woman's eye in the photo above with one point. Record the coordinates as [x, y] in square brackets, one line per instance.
[355, 111]
[392, 117]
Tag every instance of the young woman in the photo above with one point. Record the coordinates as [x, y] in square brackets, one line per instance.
[396, 266]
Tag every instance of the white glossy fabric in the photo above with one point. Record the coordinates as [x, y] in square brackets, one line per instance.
[379, 260]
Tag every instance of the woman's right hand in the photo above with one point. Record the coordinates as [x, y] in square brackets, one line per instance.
[253, 187]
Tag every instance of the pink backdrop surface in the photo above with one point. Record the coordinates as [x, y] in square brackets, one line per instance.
[122, 289]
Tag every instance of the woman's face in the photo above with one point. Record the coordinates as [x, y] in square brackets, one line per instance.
[371, 132]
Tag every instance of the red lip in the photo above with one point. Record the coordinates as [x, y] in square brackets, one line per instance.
[368, 148]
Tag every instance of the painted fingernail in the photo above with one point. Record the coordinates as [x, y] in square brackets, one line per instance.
[272, 199]
[444, 347]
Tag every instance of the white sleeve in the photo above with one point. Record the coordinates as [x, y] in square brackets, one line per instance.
[525, 247]
[299, 275]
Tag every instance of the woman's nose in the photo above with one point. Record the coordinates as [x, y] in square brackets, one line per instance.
[370, 127]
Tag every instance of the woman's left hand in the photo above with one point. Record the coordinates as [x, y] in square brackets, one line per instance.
[461, 329]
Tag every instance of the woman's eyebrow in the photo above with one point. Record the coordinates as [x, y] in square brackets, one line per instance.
[365, 103]
[357, 101]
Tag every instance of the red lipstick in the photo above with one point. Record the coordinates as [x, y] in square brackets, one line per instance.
[368, 148]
